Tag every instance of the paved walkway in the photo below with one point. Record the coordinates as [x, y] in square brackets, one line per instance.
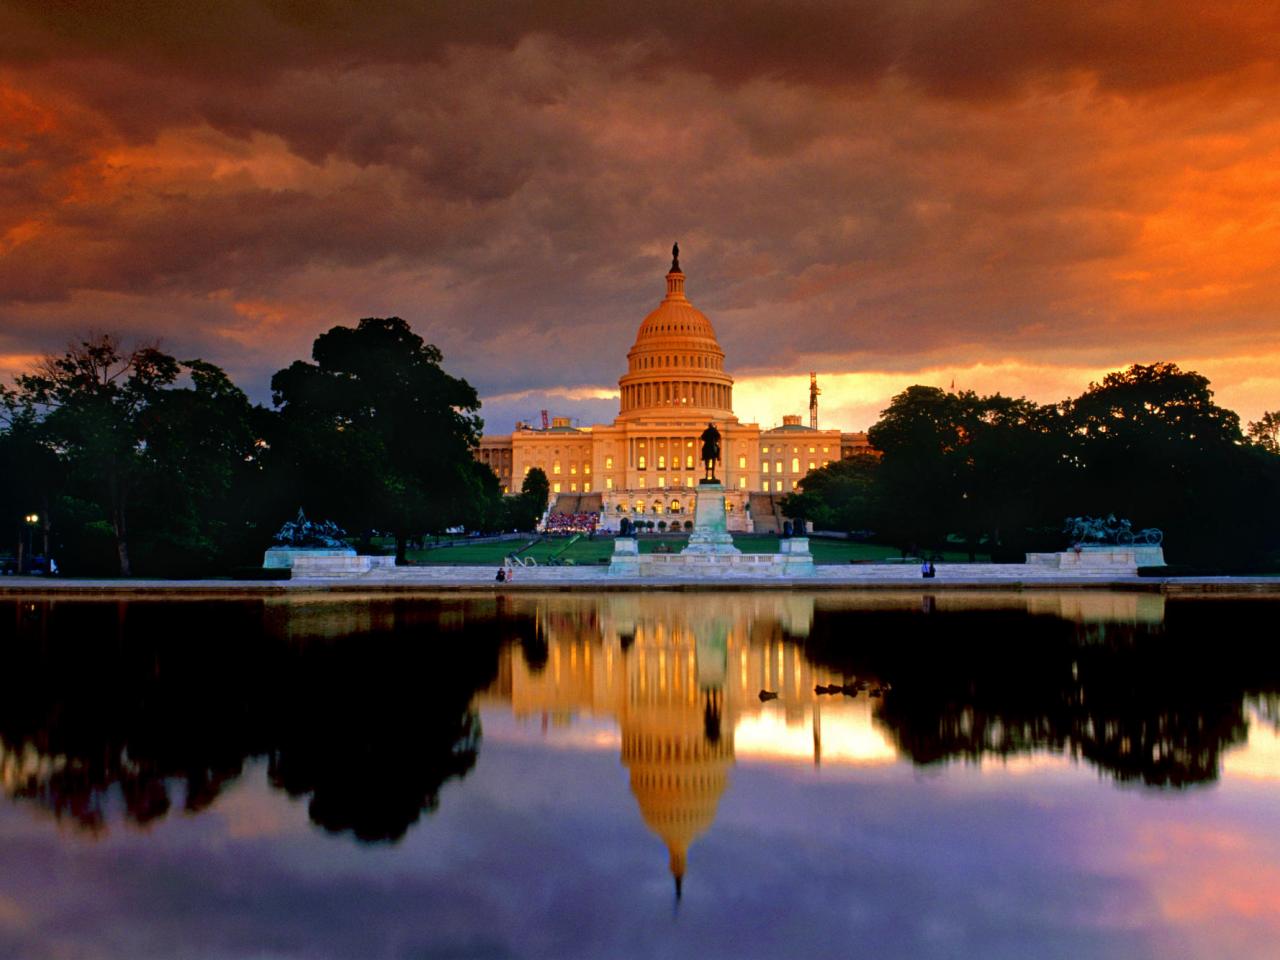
[959, 576]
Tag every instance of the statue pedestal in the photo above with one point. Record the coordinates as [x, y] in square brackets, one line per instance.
[626, 557]
[277, 558]
[710, 523]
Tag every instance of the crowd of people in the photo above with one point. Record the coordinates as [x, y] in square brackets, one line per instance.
[565, 523]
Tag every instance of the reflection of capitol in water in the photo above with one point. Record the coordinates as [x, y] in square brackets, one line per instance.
[682, 678]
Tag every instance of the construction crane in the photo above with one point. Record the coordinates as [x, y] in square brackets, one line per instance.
[813, 400]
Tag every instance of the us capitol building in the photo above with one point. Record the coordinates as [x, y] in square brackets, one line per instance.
[646, 461]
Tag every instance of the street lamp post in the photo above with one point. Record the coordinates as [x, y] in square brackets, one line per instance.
[32, 519]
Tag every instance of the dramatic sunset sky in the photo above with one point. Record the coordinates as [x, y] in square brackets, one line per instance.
[1019, 196]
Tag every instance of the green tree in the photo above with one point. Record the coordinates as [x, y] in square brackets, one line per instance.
[525, 509]
[841, 496]
[980, 467]
[31, 477]
[376, 434]
[202, 436]
[134, 444]
[917, 434]
[92, 399]
[1265, 431]
[1151, 445]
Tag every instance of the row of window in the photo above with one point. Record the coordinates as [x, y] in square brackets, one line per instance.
[641, 461]
[659, 507]
[653, 363]
[795, 465]
[765, 467]
[774, 486]
[783, 449]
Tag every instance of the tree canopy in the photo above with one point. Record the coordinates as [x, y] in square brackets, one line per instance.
[136, 435]
[1147, 443]
[375, 434]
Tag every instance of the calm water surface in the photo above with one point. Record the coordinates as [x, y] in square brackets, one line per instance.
[1070, 775]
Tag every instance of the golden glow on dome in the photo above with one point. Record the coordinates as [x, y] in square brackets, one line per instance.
[676, 364]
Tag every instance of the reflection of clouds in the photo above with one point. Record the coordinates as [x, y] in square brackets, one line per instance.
[248, 810]
[12, 914]
[1259, 757]
[1214, 878]
[848, 735]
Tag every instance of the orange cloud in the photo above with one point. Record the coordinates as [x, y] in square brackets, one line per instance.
[1022, 197]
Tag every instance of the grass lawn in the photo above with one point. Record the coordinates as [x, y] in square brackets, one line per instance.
[593, 552]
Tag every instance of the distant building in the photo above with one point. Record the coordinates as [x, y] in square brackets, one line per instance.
[646, 463]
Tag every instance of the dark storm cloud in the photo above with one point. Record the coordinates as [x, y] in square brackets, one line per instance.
[962, 46]
[869, 185]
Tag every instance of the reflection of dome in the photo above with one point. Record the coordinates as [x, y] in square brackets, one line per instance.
[676, 364]
[677, 778]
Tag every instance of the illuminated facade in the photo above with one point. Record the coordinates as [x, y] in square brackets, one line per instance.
[647, 460]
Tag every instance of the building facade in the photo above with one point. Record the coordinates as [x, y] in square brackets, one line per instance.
[646, 463]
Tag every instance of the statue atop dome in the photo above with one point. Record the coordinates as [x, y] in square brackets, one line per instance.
[675, 258]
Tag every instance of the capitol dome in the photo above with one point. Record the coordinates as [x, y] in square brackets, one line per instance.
[676, 365]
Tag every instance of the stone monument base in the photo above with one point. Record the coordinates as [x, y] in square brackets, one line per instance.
[1101, 558]
[710, 527]
[283, 558]
[711, 553]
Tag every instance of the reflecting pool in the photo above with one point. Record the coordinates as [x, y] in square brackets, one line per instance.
[1050, 775]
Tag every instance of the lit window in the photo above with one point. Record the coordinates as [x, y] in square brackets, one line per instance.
[812, 465]
[640, 482]
[793, 484]
[765, 467]
[640, 461]
[812, 450]
[795, 464]
[639, 506]
[556, 468]
[662, 481]
[573, 469]
[586, 468]
[573, 487]
[742, 461]
[608, 463]
[826, 449]
[662, 461]
[689, 444]
[764, 449]
[555, 487]
[586, 486]
[688, 481]
[742, 483]
[506, 489]
[826, 463]
[688, 461]
[608, 483]
[777, 466]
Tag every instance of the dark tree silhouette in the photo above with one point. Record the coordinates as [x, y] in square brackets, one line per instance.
[376, 434]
